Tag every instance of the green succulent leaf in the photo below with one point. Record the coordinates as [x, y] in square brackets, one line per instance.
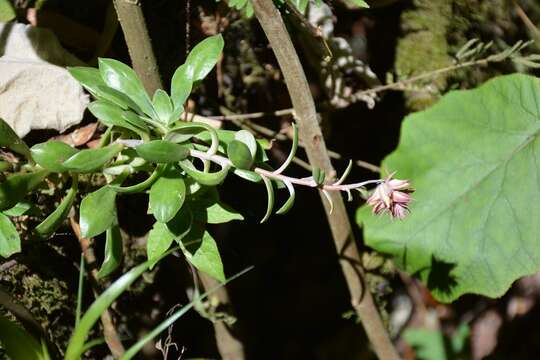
[10, 242]
[201, 250]
[55, 219]
[270, 200]
[167, 195]
[240, 155]
[15, 187]
[112, 115]
[472, 157]
[90, 160]
[12, 141]
[51, 155]
[113, 252]
[19, 344]
[162, 151]
[203, 57]
[159, 241]
[209, 179]
[98, 212]
[290, 202]
[181, 85]
[91, 80]
[219, 213]
[162, 106]
[19, 209]
[122, 78]
[248, 175]
[248, 139]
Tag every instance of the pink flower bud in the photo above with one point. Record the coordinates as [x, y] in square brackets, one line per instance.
[391, 196]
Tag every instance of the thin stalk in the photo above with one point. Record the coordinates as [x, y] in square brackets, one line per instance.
[80, 291]
[304, 109]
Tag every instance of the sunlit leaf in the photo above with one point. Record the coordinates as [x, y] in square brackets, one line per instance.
[159, 240]
[7, 12]
[162, 151]
[121, 77]
[248, 139]
[162, 106]
[473, 159]
[51, 155]
[209, 179]
[167, 195]
[90, 160]
[201, 250]
[181, 84]
[240, 155]
[203, 57]
[112, 115]
[98, 212]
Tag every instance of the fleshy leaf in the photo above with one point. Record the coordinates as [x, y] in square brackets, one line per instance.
[12, 141]
[203, 57]
[209, 179]
[201, 250]
[121, 77]
[112, 115]
[181, 86]
[159, 240]
[89, 160]
[473, 159]
[10, 242]
[98, 212]
[113, 252]
[162, 151]
[55, 219]
[19, 344]
[15, 187]
[50, 155]
[248, 139]
[167, 195]
[240, 155]
[162, 106]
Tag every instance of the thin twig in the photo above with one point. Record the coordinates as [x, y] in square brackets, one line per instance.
[398, 85]
[109, 332]
[271, 134]
[527, 21]
[311, 134]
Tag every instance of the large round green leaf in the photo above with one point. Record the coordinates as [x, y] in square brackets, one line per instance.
[474, 159]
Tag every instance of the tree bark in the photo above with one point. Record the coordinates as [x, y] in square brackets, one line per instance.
[310, 132]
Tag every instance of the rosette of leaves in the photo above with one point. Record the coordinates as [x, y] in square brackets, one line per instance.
[184, 162]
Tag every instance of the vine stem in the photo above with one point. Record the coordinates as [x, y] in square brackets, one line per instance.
[308, 181]
[310, 132]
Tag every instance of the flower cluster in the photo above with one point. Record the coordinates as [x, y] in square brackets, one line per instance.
[392, 196]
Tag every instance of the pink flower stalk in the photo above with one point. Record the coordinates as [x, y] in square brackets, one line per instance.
[391, 196]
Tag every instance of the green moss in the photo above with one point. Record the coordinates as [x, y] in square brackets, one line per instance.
[424, 47]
